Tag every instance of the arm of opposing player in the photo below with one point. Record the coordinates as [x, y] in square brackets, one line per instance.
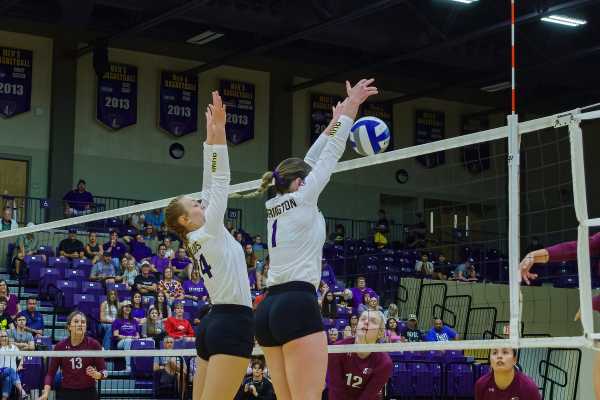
[380, 376]
[221, 176]
[52, 368]
[318, 178]
[568, 251]
[335, 378]
[206, 176]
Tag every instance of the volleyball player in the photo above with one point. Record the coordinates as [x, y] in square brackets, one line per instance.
[225, 337]
[504, 381]
[288, 321]
[79, 374]
[360, 376]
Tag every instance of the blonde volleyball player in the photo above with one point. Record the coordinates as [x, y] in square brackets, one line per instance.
[288, 320]
[226, 336]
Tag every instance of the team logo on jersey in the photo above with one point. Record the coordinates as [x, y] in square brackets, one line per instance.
[214, 162]
[366, 371]
[335, 128]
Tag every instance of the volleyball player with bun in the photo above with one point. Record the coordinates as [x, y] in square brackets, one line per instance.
[288, 321]
[360, 376]
[504, 381]
[79, 374]
[225, 338]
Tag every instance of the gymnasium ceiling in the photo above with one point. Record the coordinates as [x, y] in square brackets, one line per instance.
[433, 48]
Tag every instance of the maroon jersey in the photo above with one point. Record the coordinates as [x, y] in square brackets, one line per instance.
[521, 388]
[350, 377]
[73, 368]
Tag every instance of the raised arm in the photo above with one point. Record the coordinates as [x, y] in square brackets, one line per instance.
[219, 167]
[318, 178]
[206, 176]
[313, 154]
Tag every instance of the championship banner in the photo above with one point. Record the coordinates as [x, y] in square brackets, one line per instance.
[239, 98]
[321, 113]
[430, 127]
[15, 81]
[383, 111]
[178, 113]
[476, 157]
[116, 102]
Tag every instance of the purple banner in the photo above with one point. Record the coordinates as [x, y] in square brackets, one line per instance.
[116, 102]
[383, 111]
[321, 113]
[178, 103]
[430, 127]
[239, 98]
[15, 81]
[476, 157]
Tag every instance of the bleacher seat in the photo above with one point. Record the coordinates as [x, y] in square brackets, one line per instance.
[142, 367]
[340, 324]
[459, 380]
[94, 288]
[123, 291]
[68, 289]
[35, 264]
[46, 250]
[48, 278]
[74, 275]
[32, 375]
[87, 304]
[83, 264]
[59, 262]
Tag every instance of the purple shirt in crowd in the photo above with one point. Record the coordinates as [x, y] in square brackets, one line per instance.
[118, 250]
[125, 327]
[521, 388]
[138, 312]
[195, 289]
[180, 263]
[139, 251]
[79, 200]
[160, 263]
[358, 295]
[328, 276]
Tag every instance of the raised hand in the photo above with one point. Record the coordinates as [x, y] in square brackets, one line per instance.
[357, 95]
[336, 112]
[218, 116]
[210, 134]
[525, 267]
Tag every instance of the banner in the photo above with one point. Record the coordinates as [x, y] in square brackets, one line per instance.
[15, 81]
[116, 102]
[239, 98]
[476, 157]
[430, 127]
[178, 113]
[321, 113]
[383, 111]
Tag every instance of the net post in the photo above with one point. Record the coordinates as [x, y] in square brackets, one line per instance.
[514, 215]
[581, 213]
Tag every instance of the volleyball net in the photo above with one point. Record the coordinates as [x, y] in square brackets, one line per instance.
[460, 214]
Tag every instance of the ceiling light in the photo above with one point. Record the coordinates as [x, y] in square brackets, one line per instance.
[465, 1]
[562, 20]
[204, 37]
[497, 87]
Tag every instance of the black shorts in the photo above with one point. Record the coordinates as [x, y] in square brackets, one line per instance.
[226, 329]
[289, 311]
[77, 394]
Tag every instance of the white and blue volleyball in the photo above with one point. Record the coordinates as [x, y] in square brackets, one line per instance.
[369, 136]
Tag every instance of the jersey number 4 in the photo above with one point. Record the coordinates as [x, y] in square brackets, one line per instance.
[204, 267]
[353, 380]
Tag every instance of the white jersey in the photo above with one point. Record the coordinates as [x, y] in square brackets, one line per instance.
[219, 257]
[296, 227]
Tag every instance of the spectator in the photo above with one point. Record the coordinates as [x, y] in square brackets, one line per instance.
[371, 304]
[78, 201]
[170, 369]
[347, 332]
[424, 266]
[505, 381]
[108, 314]
[8, 221]
[160, 261]
[163, 234]
[259, 248]
[441, 268]
[380, 239]
[353, 324]
[167, 241]
[339, 235]
[171, 287]
[155, 218]
[154, 327]
[12, 302]
[358, 292]
[138, 312]
[322, 290]
[125, 330]
[460, 271]
[177, 326]
[136, 221]
[34, 318]
[329, 306]
[263, 274]
[92, 250]
[182, 263]
[146, 283]
[149, 233]
[382, 221]
[130, 272]
[472, 275]
[71, 247]
[10, 368]
[27, 245]
[257, 386]
[239, 238]
[194, 288]
[327, 274]
[392, 312]
[6, 322]
[161, 305]
[230, 228]
[440, 332]
[411, 332]
[138, 248]
[333, 335]
[19, 335]
[104, 270]
[251, 258]
[392, 334]
[115, 248]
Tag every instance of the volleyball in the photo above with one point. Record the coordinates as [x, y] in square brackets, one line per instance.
[369, 136]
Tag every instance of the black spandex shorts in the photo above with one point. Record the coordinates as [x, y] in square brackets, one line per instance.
[289, 311]
[226, 329]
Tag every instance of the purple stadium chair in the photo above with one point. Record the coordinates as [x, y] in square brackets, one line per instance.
[83, 264]
[44, 341]
[184, 344]
[35, 264]
[74, 275]
[32, 375]
[123, 292]
[59, 262]
[68, 289]
[340, 324]
[460, 380]
[142, 366]
[46, 250]
[148, 301]
[87, 304]
[94, 288]
[48, 277]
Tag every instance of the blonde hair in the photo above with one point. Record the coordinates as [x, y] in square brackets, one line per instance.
[174, 210]
[283, 175]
